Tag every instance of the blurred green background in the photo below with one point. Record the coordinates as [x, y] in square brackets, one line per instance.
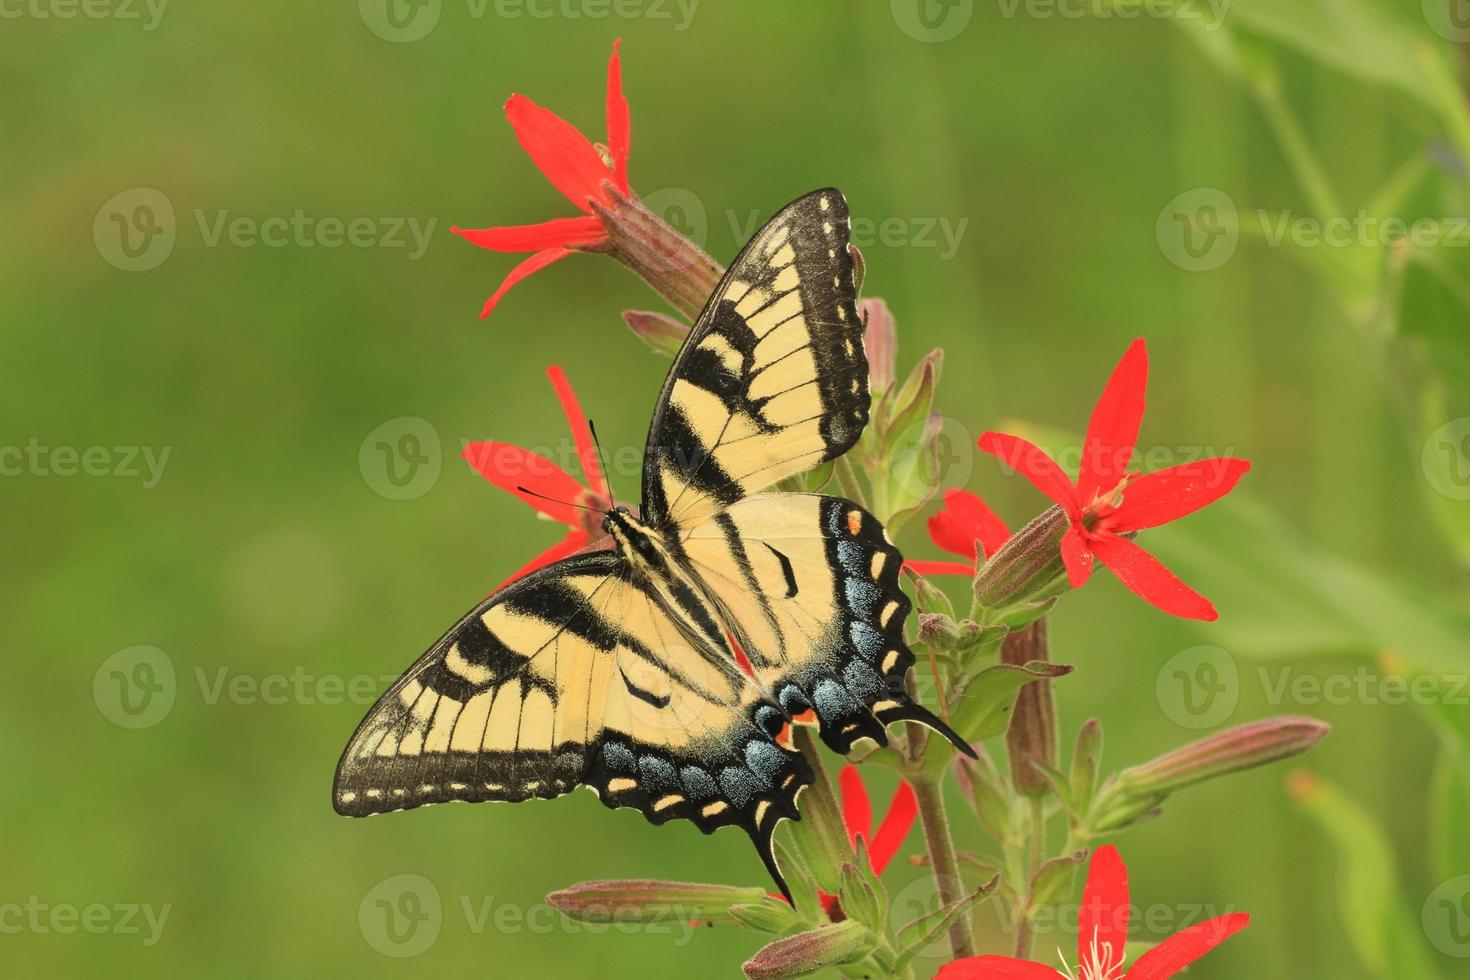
[269, 553]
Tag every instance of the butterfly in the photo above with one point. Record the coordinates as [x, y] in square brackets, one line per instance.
[665, 673]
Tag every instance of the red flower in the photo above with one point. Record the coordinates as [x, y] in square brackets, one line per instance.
[1102, 938]
[1108, 502]
[573, 166]
[964, 520]
[553, 491]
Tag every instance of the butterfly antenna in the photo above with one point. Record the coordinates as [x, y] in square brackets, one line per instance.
[602, 461]
[565, 503]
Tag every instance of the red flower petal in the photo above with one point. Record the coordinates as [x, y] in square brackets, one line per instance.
[940, 567]
[964, 520]
[1169, 494]
[1113, 429]
[566, 547]
[563, 155]
[1076, 557]
[857, 811]
[526, 268]
[995, 968]
[894, 828]
[1183, 948]
[618, 125]
[511, 467]
[1103, 918]
[1035, 465]
[581, 431]
[1147, 576]
[580, 230]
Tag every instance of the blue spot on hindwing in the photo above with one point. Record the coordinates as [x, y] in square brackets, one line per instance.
[618, 758]
[852, 557]
[697, 783]
[740, 786]
[863, 597]
[868, 641]
[833, 700]
[765, 759]
[657, 774]
[862, 680]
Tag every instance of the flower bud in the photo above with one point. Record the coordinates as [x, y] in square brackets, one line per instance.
[767, 916]
[1031, 737]
[915, 399]
[662, 333]
[651, 901]
[880, 341]
[678, 269]
[1025, 572]
[1086, 762]
[808, 952]
[938, 630]
[1234, 750]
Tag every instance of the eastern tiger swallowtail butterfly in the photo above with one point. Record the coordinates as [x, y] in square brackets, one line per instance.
[617, 669]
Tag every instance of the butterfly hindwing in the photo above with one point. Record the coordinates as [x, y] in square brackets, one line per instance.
[772, 380]
[811, 586]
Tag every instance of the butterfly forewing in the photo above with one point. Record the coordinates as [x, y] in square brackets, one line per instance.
[772, 380]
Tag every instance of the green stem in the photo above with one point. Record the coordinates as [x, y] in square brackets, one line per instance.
[942, 859]
[1038, 844]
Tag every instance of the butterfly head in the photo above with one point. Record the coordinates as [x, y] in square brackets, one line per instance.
[637, 542]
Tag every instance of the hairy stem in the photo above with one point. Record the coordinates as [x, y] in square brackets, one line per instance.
[942, 858]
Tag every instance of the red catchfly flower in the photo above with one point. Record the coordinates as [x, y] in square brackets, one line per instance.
[1107, 502]
[574, 166]
[961, 522]
[1102, 938]
[547, 487]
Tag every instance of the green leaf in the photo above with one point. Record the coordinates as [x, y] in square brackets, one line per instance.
[1384, 934]
[1053, 880]
[982, 705]
[914, 936]
[1279, 596]
[766, 916]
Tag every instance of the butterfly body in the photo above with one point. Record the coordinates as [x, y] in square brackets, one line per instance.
[665, 673]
